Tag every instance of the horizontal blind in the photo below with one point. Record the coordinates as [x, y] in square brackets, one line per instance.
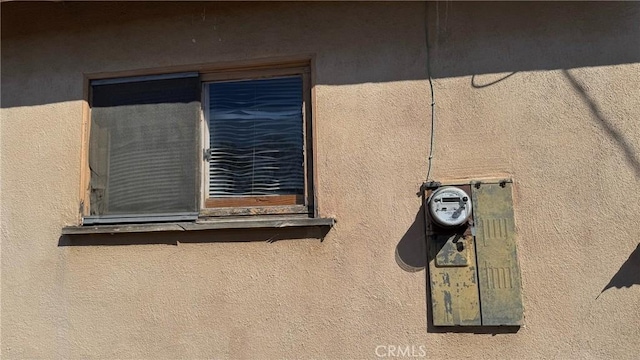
[256, 137]
[143, 147]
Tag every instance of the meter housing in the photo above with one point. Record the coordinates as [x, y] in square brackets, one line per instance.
[474, 276]
[450, 206]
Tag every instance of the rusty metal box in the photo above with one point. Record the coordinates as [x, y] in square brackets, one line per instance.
[473, 270]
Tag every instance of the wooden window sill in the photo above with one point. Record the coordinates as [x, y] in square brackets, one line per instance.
[204, 224]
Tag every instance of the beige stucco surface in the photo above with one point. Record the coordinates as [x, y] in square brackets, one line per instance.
[565, 125]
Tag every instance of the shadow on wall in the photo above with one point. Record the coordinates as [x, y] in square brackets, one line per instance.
[625, 145]
[411, 251]
[466, 38]
[628, 274]
[477, 84]
[203, 236]
[524, 36]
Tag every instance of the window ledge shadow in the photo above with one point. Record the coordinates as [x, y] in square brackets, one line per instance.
[218, 230]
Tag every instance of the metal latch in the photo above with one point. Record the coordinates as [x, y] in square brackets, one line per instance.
[206, 154]
[430, 185]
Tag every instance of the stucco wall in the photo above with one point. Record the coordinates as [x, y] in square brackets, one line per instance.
[564, 125]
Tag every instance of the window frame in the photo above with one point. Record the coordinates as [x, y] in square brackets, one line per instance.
[255, 69]
[268, 204]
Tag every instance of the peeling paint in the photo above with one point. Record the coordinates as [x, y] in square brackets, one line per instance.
[448, 308]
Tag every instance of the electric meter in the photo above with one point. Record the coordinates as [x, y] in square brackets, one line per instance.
[449, 206]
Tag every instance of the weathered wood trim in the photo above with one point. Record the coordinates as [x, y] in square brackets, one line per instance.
[217, 224]
[255, 210]
[85, 128]
[487, 180]
[273, 200]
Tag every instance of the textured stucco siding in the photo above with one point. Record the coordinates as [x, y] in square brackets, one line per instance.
[546, 93]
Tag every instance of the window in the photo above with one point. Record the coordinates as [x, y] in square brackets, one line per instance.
[180, 146]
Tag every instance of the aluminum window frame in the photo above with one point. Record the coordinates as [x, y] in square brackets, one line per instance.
[253, 69]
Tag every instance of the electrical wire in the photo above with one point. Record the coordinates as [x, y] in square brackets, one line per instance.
[433, 98]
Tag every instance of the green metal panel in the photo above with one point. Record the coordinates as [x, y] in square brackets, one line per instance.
[498, 270]
[453, 280]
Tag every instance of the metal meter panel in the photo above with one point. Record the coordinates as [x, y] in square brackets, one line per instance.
[453, 281]
[474, 277]
[498, 269]
[452, 272]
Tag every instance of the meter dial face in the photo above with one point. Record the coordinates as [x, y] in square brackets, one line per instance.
[450, 206]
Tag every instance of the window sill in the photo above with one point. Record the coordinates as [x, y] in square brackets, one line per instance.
[217, 224]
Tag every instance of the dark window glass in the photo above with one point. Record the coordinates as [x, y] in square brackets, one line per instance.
[256, 137]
